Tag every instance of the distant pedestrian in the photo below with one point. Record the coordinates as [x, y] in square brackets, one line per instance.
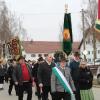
[34, 71]
[23, 78]
[10, 76]
[2, 73]
[85, 82]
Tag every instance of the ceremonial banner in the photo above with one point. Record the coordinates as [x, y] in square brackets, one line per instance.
[97, 24]
[14, 47]
[67, 34]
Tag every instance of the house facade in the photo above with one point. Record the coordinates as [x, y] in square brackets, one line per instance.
[34, 49]
[89, 47]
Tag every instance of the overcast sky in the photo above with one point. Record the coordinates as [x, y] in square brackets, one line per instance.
[43, 18]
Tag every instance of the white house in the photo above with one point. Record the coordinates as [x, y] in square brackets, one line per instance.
[33, 49]
[89, 46]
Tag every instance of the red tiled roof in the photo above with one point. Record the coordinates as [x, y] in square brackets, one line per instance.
[44, 46]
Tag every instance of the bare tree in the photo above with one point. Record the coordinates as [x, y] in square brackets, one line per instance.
[16, 27]
[90, 16]
[10, 25]
[4, 23]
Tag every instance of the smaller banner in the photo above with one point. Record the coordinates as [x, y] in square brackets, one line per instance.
[14, 47]
[97, 24]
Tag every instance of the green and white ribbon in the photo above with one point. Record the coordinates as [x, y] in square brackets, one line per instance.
[63, 81]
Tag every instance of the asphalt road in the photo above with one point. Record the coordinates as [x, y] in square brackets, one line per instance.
[4, 94]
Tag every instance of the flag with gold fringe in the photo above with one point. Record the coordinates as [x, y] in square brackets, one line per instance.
[67, 34]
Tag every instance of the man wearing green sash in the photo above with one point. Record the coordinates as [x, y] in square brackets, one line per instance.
[62, 86]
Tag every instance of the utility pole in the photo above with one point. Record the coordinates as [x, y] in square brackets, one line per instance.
[94, 46]
[94, 39]
[83, 26]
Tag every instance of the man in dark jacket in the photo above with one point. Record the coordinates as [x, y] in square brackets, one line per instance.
[44, 76]
[22, 77]
[34, 71]
[74, 66]
[10, 78]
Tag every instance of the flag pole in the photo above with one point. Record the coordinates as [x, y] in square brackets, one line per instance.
[66, 8]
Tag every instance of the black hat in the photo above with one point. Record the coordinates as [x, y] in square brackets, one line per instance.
[59, 55]
[62, 59]
[40, 59]
[76, 54]
[21, 57]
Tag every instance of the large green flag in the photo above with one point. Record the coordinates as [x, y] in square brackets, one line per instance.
[67, 34]
[97, 24]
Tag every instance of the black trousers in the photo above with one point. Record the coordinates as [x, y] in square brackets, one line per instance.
[1, 79]
[60, 96]
[77, 94]
[26, 86]
[46, 90]
[38, 92]
[11, 87]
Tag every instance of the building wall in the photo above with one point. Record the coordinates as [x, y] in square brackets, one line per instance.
[89, 49]
[33, 56]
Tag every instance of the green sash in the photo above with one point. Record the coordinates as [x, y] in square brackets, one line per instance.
[63, 81]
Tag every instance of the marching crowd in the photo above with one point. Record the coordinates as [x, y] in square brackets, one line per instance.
[55, 76]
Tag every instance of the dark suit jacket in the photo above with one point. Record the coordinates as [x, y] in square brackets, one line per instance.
[44, 73]
[17, 73]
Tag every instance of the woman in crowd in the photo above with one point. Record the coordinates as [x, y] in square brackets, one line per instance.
[85, 82]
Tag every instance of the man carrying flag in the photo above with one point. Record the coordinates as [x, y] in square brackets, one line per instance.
[62, 86]
[97, 25]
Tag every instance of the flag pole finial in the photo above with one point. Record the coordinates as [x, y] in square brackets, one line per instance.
[66, 8]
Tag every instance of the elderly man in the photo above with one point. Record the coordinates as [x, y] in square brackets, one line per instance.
[22, 77]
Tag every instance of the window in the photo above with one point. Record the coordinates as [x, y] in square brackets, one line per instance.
[86, 42]
[24, 56]
[92, 52]
[88, 52]
[45, 55]
[33, 55]
[89, 60]
[39, 55]
[92, 41]
[98, 51]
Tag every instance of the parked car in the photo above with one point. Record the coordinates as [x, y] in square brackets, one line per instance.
[98, 75]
